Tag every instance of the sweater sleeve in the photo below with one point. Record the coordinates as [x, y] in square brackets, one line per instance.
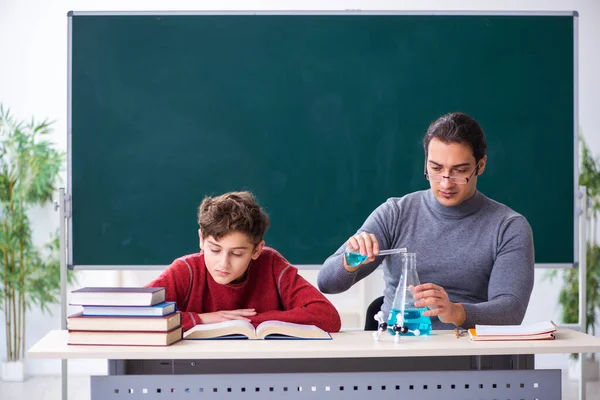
[302, 303]
[177, 281]
[333, 277]
[511, 280]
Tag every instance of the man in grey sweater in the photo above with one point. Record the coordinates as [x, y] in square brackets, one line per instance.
[475, 256]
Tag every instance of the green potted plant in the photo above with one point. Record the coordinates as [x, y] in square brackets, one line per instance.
[29, 275]
[568, 299]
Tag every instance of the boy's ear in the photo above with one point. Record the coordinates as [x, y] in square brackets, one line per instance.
[258, 249]
[201, 239]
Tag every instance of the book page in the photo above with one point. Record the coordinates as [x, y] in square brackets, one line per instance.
[111, 290]
[542, 336]
[290, 329]
[220, 329]
[526, 329]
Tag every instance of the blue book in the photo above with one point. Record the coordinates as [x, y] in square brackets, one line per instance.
[239, 329]
[159, 310]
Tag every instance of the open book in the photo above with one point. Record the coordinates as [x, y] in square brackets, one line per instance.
[238, 329]
[538, 331]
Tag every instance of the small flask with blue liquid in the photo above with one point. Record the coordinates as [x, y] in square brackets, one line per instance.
[404, 313]
[354, 258]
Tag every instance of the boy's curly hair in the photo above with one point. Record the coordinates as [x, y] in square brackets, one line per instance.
[232, 212]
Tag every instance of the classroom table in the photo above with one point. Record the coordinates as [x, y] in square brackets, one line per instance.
[351, 366]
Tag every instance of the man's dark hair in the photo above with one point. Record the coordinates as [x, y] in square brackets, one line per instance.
[457, 127]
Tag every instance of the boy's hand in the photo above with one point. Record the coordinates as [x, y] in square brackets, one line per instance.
[220, 316]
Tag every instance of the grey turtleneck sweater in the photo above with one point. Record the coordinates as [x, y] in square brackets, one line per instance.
[480, 252]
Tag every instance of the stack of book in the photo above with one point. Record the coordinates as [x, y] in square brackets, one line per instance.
[123, 317]
[538, 331]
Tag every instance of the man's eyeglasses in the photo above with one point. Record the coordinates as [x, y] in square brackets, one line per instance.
[460, 180]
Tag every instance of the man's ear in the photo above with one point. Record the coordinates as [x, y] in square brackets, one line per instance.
[200, 238]
[258, 249]
[481, 165]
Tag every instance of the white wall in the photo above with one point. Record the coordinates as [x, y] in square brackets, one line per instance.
[33, 81]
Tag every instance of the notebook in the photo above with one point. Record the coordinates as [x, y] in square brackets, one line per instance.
[537, 331]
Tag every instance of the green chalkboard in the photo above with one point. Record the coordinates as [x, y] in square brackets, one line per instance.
[321, 116]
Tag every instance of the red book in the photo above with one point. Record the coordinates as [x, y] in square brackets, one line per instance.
[79, 322]
[104, 338]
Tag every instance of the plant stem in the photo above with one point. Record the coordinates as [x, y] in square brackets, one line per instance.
[18, 328]
[14, 325]
[23, 311]
[8, 328]
[21, 327]
[9, 300]
[594, 225]
[10, 355]
[18, 309]
[10, 287]
[6, 302]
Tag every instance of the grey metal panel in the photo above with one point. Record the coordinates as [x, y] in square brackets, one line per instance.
[509, 385]
[192, 367]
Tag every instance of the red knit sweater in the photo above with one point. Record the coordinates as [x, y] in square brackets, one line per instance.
[272, 287]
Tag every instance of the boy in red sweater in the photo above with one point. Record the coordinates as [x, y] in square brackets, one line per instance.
[235, 276]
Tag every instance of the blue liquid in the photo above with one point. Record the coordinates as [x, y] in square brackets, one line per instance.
[354, 259]
[413, 319]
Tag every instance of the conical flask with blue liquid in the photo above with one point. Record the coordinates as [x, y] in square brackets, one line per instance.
[403, 311]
